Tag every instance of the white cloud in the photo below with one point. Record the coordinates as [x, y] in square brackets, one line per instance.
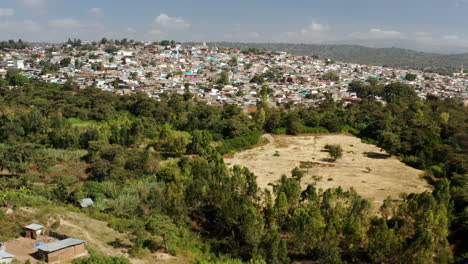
[315, 27]
[172, 23]
[4, 12]
[33, 3]
[376, 33]
[96, 11]
[451, 37]
[64, 23]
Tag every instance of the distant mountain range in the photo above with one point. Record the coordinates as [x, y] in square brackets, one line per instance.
[393, 57]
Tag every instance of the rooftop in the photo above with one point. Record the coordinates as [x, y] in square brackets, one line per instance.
[34, 226]
[54, 246]
[5, 255]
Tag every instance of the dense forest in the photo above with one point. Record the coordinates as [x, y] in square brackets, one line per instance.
[155, 169]
[392, 57]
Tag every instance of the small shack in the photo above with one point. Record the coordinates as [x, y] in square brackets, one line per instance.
[6, 257]
[86, 202]
[63, 250]
[33, 231]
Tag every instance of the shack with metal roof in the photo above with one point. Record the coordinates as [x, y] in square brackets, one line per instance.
[5, 257]
[33, 231]
[63, 250]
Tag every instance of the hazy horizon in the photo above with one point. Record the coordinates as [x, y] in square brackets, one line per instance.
[431, 26]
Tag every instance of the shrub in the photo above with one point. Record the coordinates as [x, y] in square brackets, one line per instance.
[314, 130]
[240, 143]
[335, 151]
[280, 131]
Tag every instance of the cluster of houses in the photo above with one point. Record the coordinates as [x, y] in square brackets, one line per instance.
[158, 70]
[59, 251]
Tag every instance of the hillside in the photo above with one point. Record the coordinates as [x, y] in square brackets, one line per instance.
[160, 186]
[393, 57]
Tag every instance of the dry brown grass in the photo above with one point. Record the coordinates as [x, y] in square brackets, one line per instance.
[371, 172]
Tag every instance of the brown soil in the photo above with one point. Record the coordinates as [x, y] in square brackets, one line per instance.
[364, 167]
[22, 247]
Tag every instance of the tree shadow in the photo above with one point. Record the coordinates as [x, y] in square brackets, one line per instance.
[375, 155]
[330, 160]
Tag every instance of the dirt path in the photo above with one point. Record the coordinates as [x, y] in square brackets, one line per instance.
[96, 243]
[364, 167]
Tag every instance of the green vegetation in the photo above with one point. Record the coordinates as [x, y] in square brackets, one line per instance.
[331, 76]
[155, 172]
[335, 151]
[11, 44]
[410, 77]
[101, 260]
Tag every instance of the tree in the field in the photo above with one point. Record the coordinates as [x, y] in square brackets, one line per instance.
[297, 174]
[335, 151]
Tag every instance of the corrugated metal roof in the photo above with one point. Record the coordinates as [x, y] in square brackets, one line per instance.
[34, 226]
[5, 255]
[54, 246]
[86, 202]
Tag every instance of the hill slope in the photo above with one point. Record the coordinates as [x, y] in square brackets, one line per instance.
[394, 57]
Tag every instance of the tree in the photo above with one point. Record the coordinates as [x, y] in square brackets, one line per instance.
[65, 62]
[297, 174]
[111, 49]
[165, 43]
[335, 151]
[411, 77]
[331, 76]
[15, 78]
[223, 78]
[163, 226]
[397, 90]
[233, 61]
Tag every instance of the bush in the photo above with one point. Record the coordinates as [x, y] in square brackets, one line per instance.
[120, 224]
[240, 143]
[335, 151]
[101, 260]
[280, 131]
[314, 130]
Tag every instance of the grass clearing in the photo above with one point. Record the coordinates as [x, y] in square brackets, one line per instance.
[370, 171]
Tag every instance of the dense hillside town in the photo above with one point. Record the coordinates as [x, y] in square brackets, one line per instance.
[214, 74]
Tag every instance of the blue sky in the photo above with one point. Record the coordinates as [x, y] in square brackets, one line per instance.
[426, 25]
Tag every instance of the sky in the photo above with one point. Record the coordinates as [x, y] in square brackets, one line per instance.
[425, 25]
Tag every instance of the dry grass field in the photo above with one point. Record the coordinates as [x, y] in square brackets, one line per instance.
[364, 167]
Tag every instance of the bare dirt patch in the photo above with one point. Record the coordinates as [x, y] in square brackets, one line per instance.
[371, 172]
